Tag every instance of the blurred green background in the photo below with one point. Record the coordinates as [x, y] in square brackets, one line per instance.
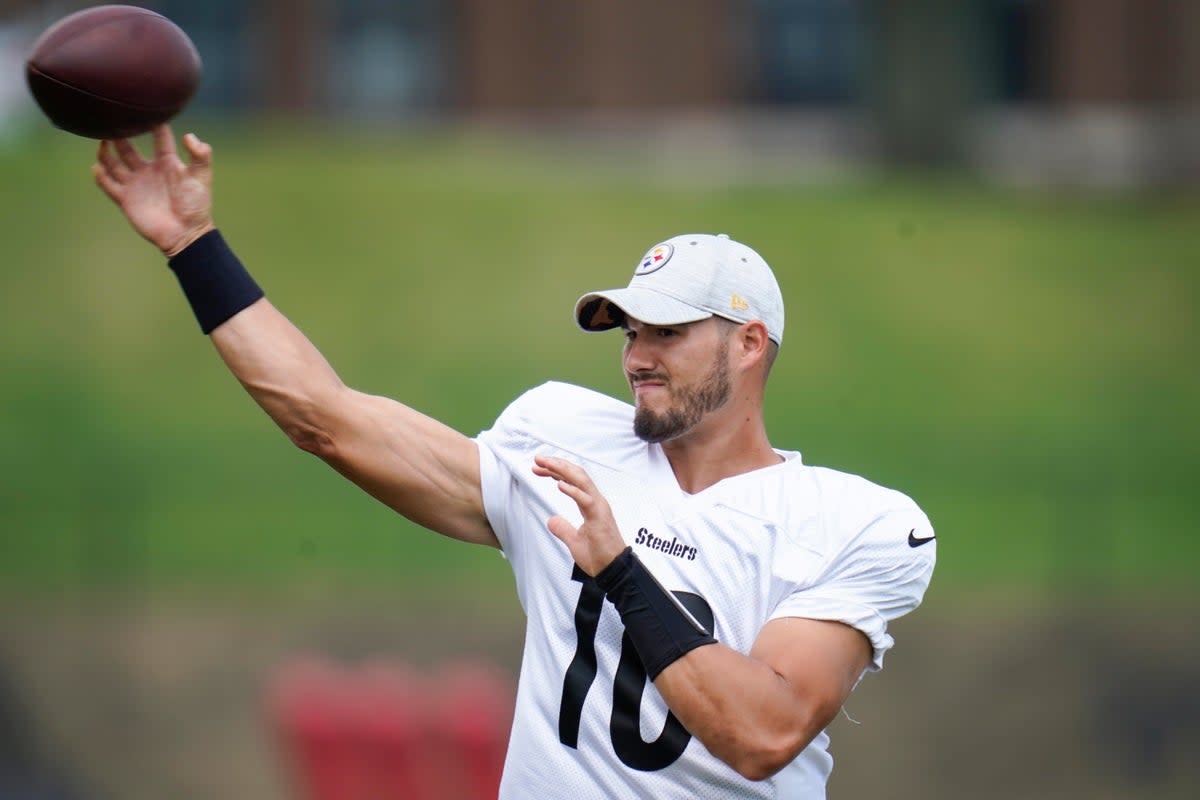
[984, 218]
[1019, 362]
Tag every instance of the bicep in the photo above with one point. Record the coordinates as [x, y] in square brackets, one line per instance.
[416, 465]
[820, 660]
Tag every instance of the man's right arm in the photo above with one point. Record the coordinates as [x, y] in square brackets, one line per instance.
[416, 465]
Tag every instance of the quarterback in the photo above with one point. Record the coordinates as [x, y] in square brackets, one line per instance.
[699, 603]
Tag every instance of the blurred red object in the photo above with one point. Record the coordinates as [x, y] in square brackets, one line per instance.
[392, 732]
[383, 732]
[310, 710]
[474, 716]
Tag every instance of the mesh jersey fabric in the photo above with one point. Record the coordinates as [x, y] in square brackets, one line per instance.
[787, 540]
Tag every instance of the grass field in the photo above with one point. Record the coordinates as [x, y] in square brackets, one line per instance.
[1022, 364]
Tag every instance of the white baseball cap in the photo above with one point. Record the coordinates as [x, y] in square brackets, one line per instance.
[686, 279]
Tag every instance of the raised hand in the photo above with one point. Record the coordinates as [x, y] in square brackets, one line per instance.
[597, 541]
[168, 202]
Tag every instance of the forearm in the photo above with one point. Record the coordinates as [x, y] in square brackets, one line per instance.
[394, 452]
[756, 712]
[744, 712]
[411, 462]
[281, 369]
[278, 365]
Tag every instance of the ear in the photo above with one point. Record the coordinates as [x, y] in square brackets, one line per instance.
[751, 343]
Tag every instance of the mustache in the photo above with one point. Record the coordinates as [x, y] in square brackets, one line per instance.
[642, 377]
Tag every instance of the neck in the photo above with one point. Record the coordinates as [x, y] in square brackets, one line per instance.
[728, 442]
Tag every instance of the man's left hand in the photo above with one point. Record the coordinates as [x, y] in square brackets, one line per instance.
[597, 541]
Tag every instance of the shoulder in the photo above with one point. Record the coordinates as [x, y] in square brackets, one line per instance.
[863, 555]
[571, 418]
[831, 511]
[554, 400]
[853, 496]
[557, 410]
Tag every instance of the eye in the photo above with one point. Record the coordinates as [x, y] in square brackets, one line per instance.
[629, 335]
[665, 332]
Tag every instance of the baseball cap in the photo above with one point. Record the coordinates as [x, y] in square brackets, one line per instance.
[686, 279]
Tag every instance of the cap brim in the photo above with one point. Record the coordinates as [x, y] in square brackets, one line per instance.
[602, 311]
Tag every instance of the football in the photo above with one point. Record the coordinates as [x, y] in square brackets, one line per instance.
[113, 71]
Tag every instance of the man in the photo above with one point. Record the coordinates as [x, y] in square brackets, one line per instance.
[699, 603]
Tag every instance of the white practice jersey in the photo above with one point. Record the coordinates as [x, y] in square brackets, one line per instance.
[783, 541]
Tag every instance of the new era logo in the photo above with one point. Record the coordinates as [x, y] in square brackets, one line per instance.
[737, 303]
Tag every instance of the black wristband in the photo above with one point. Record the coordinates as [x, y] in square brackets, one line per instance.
[214, 281]
[662, 631]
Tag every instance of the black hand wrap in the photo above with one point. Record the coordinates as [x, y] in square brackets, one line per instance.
[214, 281]
[661, 630]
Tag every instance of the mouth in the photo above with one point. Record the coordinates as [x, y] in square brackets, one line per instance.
[641, 388]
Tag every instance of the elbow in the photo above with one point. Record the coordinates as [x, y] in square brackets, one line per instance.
[306, 411]
[311, 439]
[309, 425]
[760, 757]
[765, 761]
[763, 758]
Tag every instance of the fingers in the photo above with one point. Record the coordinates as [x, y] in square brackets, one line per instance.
[111, 186]
[109, 161]
[582, 499]
[199, 152]
[573, 480]
[130, 157]
[563, 470]
[562, 530]
[597, 540]
[164, 141]
[110, 171]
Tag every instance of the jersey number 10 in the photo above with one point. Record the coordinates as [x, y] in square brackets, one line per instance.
[628, 686]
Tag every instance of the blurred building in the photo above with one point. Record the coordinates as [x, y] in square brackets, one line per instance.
[1094, 91]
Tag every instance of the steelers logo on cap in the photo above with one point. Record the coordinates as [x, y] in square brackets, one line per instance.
[658, 255]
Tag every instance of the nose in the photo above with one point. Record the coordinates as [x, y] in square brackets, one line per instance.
[638, 356]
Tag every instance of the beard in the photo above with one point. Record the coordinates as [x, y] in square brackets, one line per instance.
[689, 403]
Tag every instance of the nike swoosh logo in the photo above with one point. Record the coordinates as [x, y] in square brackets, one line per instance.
[915, 542]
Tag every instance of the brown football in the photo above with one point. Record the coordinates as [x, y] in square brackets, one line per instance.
[113, 71]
